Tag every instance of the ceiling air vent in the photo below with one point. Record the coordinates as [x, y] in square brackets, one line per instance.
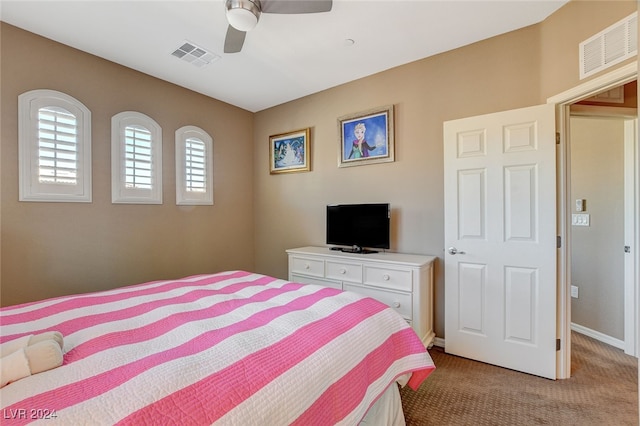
[609, 47]
[195, 55]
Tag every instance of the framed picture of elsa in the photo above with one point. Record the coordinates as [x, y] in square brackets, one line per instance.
[289, 152]
[366, 137]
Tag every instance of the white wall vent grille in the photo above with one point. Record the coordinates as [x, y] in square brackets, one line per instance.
[609, 47]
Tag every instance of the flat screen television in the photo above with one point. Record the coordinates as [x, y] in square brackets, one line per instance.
[359, 226]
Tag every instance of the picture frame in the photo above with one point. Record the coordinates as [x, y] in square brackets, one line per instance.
[374, 141]
[289, 152]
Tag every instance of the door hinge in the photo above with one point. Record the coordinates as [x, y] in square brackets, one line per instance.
[558, 241]
[627, 249]
[557, 138]
[558, 345]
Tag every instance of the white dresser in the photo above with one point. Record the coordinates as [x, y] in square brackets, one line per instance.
[402, 281]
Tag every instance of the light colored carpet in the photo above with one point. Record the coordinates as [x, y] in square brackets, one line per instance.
[603, 390]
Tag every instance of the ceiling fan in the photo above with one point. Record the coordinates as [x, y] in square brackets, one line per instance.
[243, 15]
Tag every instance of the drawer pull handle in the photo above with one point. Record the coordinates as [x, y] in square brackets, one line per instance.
[396, 304]
[343, 271]
[307, 266]
[386, 277]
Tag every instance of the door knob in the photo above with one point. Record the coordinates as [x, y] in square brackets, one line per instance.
[453, 250]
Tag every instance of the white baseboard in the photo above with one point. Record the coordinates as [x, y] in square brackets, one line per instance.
[612, 341]
[616, 343]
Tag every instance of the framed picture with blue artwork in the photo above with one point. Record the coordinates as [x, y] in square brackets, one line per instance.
[366, 137]
[289, 152]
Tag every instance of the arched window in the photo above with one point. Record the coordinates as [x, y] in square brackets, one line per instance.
[54, 139]
[194, 166]
[136, 159]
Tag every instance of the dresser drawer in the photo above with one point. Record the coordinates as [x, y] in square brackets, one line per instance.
[395, 279]
[400, 302]
[307, 266]
[344, 271]
[317, 281]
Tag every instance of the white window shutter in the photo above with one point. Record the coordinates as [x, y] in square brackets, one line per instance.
[54, 139]
[136, 159]
[194, 166]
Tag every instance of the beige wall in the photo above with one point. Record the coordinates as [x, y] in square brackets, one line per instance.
[518, 69]
[597, 258]
[50, 249]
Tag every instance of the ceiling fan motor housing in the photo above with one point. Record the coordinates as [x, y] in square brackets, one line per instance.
[243, 15]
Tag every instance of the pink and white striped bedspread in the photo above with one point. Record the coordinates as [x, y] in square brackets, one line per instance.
[229, 348]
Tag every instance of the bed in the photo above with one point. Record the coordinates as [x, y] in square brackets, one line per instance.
[234, 348]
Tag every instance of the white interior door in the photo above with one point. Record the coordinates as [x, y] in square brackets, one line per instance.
[500, 236]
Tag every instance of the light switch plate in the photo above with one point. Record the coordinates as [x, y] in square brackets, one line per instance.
[580, 219]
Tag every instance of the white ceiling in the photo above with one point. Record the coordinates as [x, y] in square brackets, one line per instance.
[286, 56]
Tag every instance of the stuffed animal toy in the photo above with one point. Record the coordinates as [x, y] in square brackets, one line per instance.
[29, 355]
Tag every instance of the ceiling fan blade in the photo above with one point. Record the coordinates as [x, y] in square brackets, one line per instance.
[234, 40]
[296, 6]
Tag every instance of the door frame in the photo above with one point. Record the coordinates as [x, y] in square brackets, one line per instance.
[632, 237]
[562, 101]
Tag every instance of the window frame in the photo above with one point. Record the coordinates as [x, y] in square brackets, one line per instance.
[120, 194]
[30, 188]
[184, 197]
